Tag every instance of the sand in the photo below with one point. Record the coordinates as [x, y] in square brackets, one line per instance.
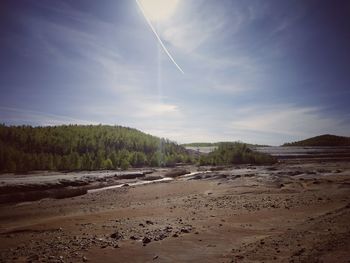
[288, 212]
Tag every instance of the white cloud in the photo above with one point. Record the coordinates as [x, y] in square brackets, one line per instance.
[156, 109]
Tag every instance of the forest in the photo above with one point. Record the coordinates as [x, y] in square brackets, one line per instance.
[84, 147]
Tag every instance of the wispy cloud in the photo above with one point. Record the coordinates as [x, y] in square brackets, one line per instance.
[188, 32]
[299, 122]
[252, 70]
[16, 116]
[264, 124]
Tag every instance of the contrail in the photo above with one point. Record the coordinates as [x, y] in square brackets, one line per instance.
[160, 41]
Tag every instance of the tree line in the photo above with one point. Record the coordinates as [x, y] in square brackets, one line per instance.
[84, 147]
[235, 153]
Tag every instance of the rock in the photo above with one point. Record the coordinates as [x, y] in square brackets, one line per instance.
[37, 192]
[152, 178]
[116, 236]
[185, 230]
[148, 171]
[149, 222]
[130, 175]
[155, 257]
[160, 237]
[196, 177]
[176, 172]
[85, 259]
[168, 229]
[146, 240]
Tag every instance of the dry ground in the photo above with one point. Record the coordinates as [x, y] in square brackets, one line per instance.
[290, 212]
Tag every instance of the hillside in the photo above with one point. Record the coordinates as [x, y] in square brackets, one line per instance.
[83, 147]
[322, 140]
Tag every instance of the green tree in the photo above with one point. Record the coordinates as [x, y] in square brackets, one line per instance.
[107, 164]
[124, 164]
[76, 147]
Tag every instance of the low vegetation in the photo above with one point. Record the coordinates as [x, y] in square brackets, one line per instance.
[235, 153]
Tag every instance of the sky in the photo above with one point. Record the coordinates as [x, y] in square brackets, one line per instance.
[264, 72]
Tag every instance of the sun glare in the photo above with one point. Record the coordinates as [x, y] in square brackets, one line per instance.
[157, 10]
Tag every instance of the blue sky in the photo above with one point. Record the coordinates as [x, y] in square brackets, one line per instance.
[257, 71]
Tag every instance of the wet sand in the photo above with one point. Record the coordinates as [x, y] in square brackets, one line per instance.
[289, 212]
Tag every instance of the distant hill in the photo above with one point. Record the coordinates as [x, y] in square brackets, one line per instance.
[216, 144]
[83, 147]
[322, 140]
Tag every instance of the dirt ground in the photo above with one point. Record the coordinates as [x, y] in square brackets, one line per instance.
[289, 212]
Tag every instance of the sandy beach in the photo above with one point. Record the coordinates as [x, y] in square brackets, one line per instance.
[288, 212]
